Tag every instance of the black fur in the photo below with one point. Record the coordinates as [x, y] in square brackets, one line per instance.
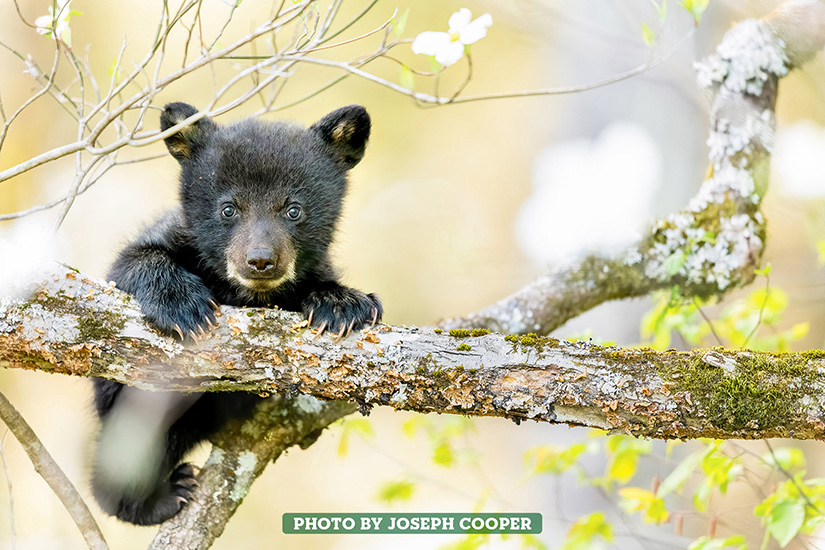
[259, 202]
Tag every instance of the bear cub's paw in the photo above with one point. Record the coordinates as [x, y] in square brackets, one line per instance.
[186, 312]
[340, 310]
[182, 485]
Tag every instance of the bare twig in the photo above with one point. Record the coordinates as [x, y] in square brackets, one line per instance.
[9, 488]
[761, 311]
[48, 469]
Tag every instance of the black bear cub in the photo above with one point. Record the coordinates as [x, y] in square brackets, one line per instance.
[259, 202]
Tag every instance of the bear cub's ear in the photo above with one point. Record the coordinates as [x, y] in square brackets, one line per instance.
[345, 131]
[186, 143]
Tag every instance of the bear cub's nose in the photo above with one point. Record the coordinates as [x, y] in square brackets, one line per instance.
[261, 259]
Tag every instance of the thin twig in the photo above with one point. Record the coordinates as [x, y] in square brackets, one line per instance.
[707, 320]
[49, 470]
[791, 478]
[761, 310]
[10, 489]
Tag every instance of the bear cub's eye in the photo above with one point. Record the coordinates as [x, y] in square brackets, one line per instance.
[294, 212]
[228, 211]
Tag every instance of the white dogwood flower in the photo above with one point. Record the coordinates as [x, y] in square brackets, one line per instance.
[60, 20]
[448, 47]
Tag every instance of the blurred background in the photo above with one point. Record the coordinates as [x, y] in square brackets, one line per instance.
[452, 208]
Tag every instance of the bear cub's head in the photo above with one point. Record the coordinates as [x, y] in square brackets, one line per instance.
[260, 200]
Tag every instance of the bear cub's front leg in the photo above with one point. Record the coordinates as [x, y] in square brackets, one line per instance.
[173, 300]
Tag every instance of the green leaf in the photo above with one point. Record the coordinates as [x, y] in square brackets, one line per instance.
[820, 248]
[785, 520]
[359, 426]
[789, 458]
[399, 24]
[406, 77]
[635, 499]
[623, 466]
[396, 491]
[415, 423]
[661, 9]
[443, 455]
[548, 459]
[771, 300]
[586, 531]
[800, 330]
[343, 444]
[680, 474]
[696, 8]
[765, 271]
[650, 39]
[674, 262]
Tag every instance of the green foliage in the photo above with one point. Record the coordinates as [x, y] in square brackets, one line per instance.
[683, 471]
[400, 23]
[392, 492]
[443, 436]
[696, 8]
[661, 9]
[795, 507]
[785, 458]
[359, 426]
[738, 324]
[623, 454]
[759, 390]
[783, 519]
[551, 459]
[406, 77]
[650, 39]
[671, 314]
[443, 454]
[588, 532]
[675, 261]
[820, 250]
[529, 542]
[720, 470]
[635, 499]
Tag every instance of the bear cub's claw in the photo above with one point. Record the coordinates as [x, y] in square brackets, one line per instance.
[340, 310]
[182, 485]
[186, 315]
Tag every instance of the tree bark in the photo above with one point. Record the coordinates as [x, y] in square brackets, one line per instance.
[76, 325]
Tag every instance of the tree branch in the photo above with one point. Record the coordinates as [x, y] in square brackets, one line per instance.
[77, 325]
[240, 454]
[714, 244]
[50, 471]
